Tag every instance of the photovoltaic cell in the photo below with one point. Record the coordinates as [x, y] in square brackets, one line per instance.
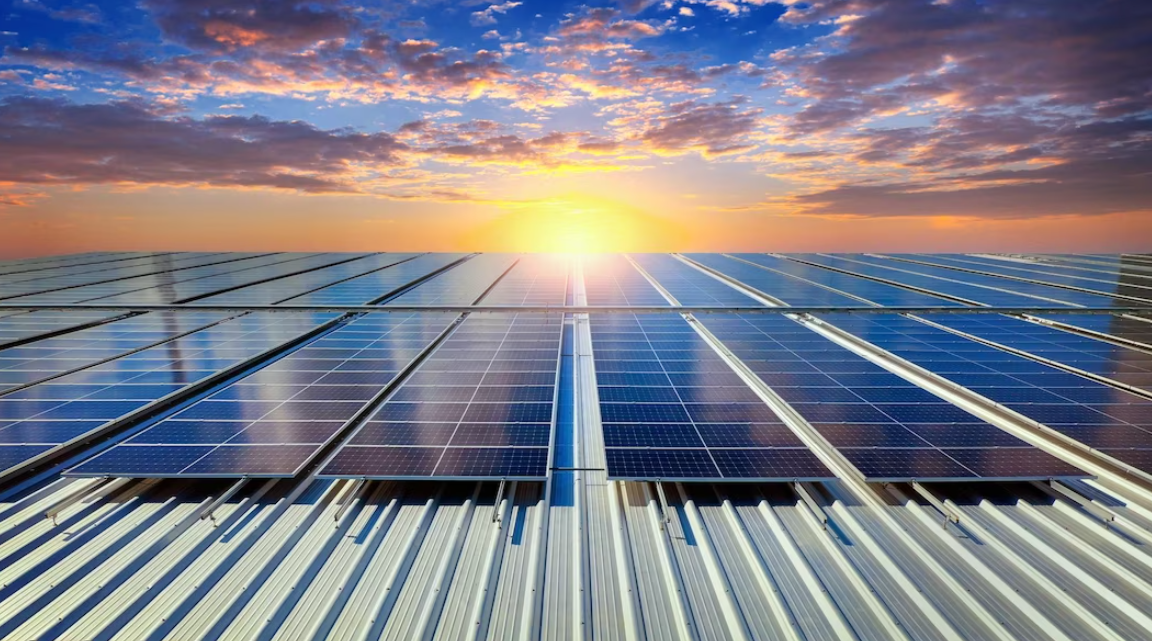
[610, 280]
[19, 326]
[890, 270]
[1107, 419]
[49, 357]
[689, 285]
[369, 287]
[1118, 363]
[272, 421]
[480, 406]
[672, 409]
[535, 280]
[461, 285]
[790, 290]
[1039, 290]
[1104, 283]
[888, 428]
[881, 294]
[66, 409]
[283, 289]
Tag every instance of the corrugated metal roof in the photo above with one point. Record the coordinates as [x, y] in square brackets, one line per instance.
[579, 557]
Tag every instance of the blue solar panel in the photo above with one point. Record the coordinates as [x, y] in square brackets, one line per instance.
[1103, 282]
[286, 288]
[672, 409]
[879, 293]
[461, 285]
[792, 291]
[53, 356]
[892, 271]
[1038, 290]
[690, 286]
[535, 280]
[364, 289]
[292, 399]
[67, 409]
[901, 434]
[1118, 363]
[469, 410]
[611, 280]
[1108, 419]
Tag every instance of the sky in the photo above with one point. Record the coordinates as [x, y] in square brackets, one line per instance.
[630, 125]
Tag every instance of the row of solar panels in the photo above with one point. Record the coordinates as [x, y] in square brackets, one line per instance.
[481, 405]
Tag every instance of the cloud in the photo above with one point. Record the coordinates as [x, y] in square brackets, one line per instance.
[488, 16]
[55, 142]
[278, 25]
[712, 129]
[886, 55]
[74, 12]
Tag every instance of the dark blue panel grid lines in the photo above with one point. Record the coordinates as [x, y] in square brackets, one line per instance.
[481, 406]
[673, 409]
[271, 422]
[61, 411]
[1110, 420]
[888, 428]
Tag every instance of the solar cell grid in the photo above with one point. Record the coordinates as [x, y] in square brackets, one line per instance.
[1118, 363]
[1033, 289]
[171, 264]
[19, 326]
[790, 290]
[295, 401]
[689, 285]
[535, 280]
[611, 280]
[673, 412]
[897, 432]
[282, 289]
[1106, 283]
[60, 411]
[461, 285]
[52, 356]
[985, 294]
[169, 287]
[364, 289]
[1110, 420]
[1125, 327]
[480, 406]
[878, 293]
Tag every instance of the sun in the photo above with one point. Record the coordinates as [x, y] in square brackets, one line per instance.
[577, 224]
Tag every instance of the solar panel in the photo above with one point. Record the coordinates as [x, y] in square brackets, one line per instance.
[166, 263]
[481, 406]
[535, 280]
[19, 326]
[1124, 327]
[1105, 283]
[611, 280]
[53, 356]
[1118, 363]
[272, 421]
[888, 428]
[689, 285]
[672, 409]
[1039, 290]
[169, 287]
[461, 285]
[878, 293]
[369, 287]
[779, 286]
[1110, 420]
[285, 288]
[985, 294]
[65, 410]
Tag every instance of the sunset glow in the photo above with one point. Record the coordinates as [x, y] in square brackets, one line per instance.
[631, 125]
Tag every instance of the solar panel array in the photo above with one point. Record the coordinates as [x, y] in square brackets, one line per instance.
[417, 391]
[673, 409]
[275, 419]
[481, 406]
